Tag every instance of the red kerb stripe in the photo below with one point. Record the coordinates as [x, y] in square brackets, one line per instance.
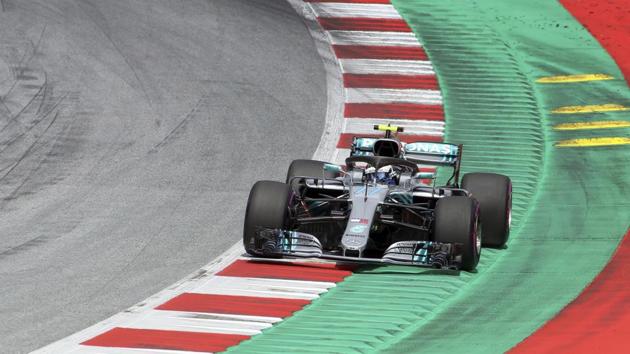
[597, 321]
[609, 22]
[167, 340]
[379, 52]
[235, 305]
[353, 1]
[345, 139]
[363, 24]
[422, 82]
[394, 111]
[294, 271]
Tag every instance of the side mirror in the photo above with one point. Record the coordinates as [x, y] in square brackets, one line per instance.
[333, 168]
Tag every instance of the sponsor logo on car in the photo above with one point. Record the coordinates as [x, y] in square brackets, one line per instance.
[431, 148]
[358, 229]
[359, 221]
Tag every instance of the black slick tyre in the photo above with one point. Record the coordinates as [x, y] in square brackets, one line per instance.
[457, 221]
[267, 207]
[494, 194]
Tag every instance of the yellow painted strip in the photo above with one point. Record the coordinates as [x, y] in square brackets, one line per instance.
[593, 142]
[590, 108]
[593, 125]
[573, 78]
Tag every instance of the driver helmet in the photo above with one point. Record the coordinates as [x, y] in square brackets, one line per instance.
[385, 175]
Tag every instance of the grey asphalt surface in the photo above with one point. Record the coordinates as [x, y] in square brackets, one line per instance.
[130, 134]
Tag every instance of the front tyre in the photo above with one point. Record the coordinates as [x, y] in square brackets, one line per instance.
[457, 221]
[267, 207]
[494, 193]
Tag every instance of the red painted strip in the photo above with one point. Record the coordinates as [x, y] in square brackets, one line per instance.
[345, 139]
[169, 340]
[379, 52]
[294, 271]
[363, 24]
[353, 1]
[422, 82]
[235, 305]
[394, 111]
[597, 321]
[609, 22]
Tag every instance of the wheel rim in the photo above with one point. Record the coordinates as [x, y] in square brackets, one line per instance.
[477, 234]
[478, 237]
[509, 207]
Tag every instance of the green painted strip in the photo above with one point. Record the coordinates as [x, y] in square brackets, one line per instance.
[570, 205]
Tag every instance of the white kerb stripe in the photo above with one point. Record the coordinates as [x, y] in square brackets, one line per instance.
[133, 314]
[418, 127]
[229, 317]
[394, 67]
[290, 289]
[403, 39]
[355, 10]
[378, 95]
[195, 322]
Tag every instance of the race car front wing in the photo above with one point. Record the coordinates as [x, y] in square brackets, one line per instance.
[278, 243]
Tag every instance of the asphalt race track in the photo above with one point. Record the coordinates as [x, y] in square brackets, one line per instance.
[130, 134]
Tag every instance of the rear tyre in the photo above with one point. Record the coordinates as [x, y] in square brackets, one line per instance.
[494, 193]
[457, 221]
[310, 168]
[267, 207]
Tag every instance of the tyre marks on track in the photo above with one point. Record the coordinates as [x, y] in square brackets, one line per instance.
[32, 119]
[387, 78]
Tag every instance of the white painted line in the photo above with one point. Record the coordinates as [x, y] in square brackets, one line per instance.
[71, 343]
[419, 127]
[334, 82]
[355, 10]
[289, 289]
[379, 95]
[192, 322]
[341, 156]
[402, 39]
[229, 317]
[379, 66]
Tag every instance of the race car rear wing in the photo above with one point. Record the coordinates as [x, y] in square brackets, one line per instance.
[437, 154]
[420, 152]
[432, 153]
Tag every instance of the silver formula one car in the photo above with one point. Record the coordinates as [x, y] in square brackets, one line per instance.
[381, 209]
